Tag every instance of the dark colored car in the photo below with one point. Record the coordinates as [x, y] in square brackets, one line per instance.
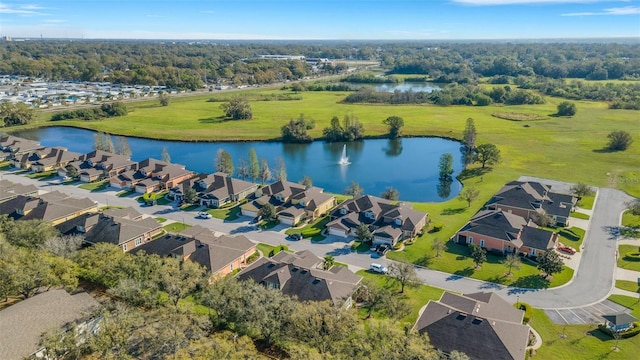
[295, 237]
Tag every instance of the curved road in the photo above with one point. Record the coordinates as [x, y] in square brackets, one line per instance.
[592, 282]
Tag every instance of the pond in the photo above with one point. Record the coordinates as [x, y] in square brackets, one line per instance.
[405, 86]
[409, 165]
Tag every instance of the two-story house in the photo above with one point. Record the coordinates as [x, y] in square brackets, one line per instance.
[215, 190]
[151, 175]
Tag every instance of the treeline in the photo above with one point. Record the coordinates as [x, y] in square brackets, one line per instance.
[454, 94]
[164, 308]
[95, 113]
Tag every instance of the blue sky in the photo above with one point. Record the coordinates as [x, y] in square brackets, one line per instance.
[321, 19]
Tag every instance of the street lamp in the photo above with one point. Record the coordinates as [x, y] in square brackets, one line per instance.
[518, 301]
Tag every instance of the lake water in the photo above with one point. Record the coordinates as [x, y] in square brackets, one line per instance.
[405, 86]
[410, 165]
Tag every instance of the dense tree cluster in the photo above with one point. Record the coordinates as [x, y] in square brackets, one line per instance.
[349, 130]
[295, 131]
[94, 113]
[237, 108]
[15, 114]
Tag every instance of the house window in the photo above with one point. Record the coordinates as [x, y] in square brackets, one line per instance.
[481, 242]
[343, 211]
[398, 221]
[470, 240]
[533, 252]
[124, 247]
[138, 241]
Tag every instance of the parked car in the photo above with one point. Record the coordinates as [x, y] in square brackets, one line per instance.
[256, 219]
[204, 215]
[295, 237]
[380, 269]
[567, 249]
[383, 249]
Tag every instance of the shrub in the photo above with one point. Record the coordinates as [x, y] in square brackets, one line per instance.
[437, 227]
[623, 334]
[632, 256]
[528, 311]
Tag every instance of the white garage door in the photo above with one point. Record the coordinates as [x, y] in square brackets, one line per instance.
[337, 232]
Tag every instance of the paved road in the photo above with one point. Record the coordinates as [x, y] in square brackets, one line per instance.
[592, 283]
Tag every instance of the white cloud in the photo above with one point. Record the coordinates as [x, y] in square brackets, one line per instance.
[31, 7]
[24, 10]
[517, 2]
[627, 10]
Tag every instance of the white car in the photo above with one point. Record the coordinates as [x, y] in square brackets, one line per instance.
[204, 215]
[381, 269]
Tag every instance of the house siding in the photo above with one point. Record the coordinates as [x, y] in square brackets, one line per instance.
[490, 243]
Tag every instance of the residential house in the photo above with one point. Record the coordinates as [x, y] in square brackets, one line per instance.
[215, 190]
[300, 275]
[97, 165]
[220, 255]
[525, 198]
[389, 222]
[619, 322]
[10, 190]
[24, 323]
[506, 232]
[293, 202]
[53, 207]
[481, 325]
[55, 159]
[126, 232]
[151, 175]
[12, 147]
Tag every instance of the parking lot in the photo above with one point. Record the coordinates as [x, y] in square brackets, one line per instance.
[585, 315]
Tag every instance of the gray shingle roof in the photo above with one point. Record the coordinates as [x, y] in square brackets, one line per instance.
[533, 195]
[620, 318]
[23, 323]
[537, 238]
[497, 224]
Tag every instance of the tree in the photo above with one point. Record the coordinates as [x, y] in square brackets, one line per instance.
[281, 170]
[164, 99]
[581, 189]
[566, 108]
[179, 278]
[328, 262]
[29, 233]
[237, 109]
[307, 181]
[102, 141]
[390, 193]
[15, 114]
[619, 140]
[446, 166]
[190, 195]
[438, 246]
[122, 146]
[165, 156]
[223, 162]
[404, 274]
[254, 166]
[265, 172]
[64, 246]
[243, 168]
[541, 218]
[322, 326]
[363, 234]
[478, 254]
[550, 263]
[487, 154]
[512, 261]
[469, 194]
[334, 131]
[268, 213]
[395, 124]
[469, 137]
[354, 189]
[634, 207]
[295, 131]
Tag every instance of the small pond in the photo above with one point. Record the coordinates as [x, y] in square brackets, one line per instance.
[410, 165]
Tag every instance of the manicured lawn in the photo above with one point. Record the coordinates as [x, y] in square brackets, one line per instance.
[582, 341]
[42, 176]
[189, 207]
[311, 231]
[586, 202]
[160, 219]
[455, 260]
[125, 193]
[572, 237]
[266, 249]
[625, 264]
[628, 181]
[159, 197]
[416, 296]
[629, 302]
[630, 220]
[579, 215]
[5, 165]
[95, 186]
[229, 213]
[628, 285]
[176, 227]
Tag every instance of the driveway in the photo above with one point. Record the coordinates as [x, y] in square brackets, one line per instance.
[591, 284]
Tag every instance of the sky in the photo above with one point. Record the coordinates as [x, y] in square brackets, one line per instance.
[320, 19]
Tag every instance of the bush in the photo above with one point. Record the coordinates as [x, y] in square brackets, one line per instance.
[437, 227]
[623, 334]
[632, 256]
[528, 311]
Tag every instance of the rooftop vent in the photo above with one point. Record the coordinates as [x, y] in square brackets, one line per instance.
[477, 321]
[461, 316]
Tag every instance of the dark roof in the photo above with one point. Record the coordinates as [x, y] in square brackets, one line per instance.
[533, 195]
[25, 322]
[482, 325]
[620, 318]
[116, 230]
[285, 271]
[497, 224]
[537, 238]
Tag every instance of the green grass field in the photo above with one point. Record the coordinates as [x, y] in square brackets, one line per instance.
[572, 237]
[579, 215]
[311, 231]
[625, 264]
[583, 341]
[229, 213]
[586, 202]
[630, 220]
[628, 285]
[95, 186]
[175, 227]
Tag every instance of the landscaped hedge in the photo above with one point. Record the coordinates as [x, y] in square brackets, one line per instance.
[624, 334]
[632, 256]
[528, 311]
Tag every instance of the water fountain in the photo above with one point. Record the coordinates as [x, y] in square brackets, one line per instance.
[344, 160]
